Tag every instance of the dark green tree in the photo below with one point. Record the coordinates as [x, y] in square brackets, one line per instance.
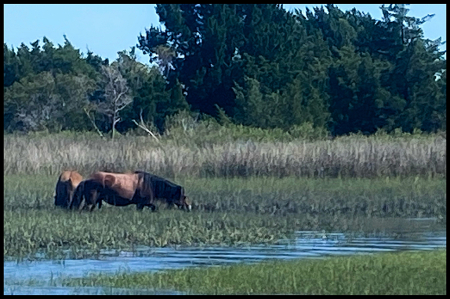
[209, 41]
[218, 46]
[250, 108]
[11, 72]
[25, 64]
[383, 72]
[419, 87]
[33, 103]
[46, 88]
[416, 63]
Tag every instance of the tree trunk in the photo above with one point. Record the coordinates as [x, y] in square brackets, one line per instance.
[113, 127]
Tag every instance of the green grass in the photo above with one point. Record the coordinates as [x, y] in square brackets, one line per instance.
[406, 273]
[226, 212]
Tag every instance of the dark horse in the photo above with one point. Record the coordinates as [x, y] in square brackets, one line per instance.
[140, 188]
[162, 189]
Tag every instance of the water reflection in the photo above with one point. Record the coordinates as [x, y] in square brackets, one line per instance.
[306, 245]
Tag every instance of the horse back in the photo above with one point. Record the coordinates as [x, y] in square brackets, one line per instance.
[123, 184]
[70, 177]
[75, 179]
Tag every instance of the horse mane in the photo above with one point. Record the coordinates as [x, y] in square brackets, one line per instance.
[144, 185]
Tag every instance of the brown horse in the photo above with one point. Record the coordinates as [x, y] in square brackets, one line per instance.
[65, 187]
[139, 188]
[114, 188]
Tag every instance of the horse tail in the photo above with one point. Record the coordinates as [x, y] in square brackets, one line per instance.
[77, 195]
[60, 193]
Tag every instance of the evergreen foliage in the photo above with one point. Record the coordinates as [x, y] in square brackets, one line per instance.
[254, 65]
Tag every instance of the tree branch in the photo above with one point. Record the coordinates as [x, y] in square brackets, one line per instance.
[93, 123]
[116, 121]
[143, 127]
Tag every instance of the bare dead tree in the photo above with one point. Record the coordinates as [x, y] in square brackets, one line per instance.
[144, 127]
[117, 95]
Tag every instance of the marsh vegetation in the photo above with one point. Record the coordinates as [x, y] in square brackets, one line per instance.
[261, 135]
[400, 273]
[225, 212]
[244, 191]
[215, 151]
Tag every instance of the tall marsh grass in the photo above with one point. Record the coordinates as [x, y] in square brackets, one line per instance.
[180, 155]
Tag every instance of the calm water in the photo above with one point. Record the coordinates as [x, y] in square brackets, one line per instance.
[306, 245]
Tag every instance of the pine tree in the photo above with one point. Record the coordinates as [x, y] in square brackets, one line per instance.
[10, 67]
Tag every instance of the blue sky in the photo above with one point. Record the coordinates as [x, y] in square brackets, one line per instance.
[108, 28]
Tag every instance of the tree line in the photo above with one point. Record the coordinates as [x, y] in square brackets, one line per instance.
[250, 64]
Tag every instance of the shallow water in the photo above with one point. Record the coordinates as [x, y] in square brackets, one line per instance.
[306, 245]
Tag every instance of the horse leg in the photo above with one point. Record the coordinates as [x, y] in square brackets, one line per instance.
[82, 204]
[69, 200]
[77, 196]
[141, 202]
[94, 199]
[86, 200]
[170, 204]
[69, 206]
[151, 203]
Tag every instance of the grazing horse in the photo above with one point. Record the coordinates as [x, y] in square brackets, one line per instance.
[115, 188]
[65, 187]
[87, 189]
[164, 190]
[139, 188]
